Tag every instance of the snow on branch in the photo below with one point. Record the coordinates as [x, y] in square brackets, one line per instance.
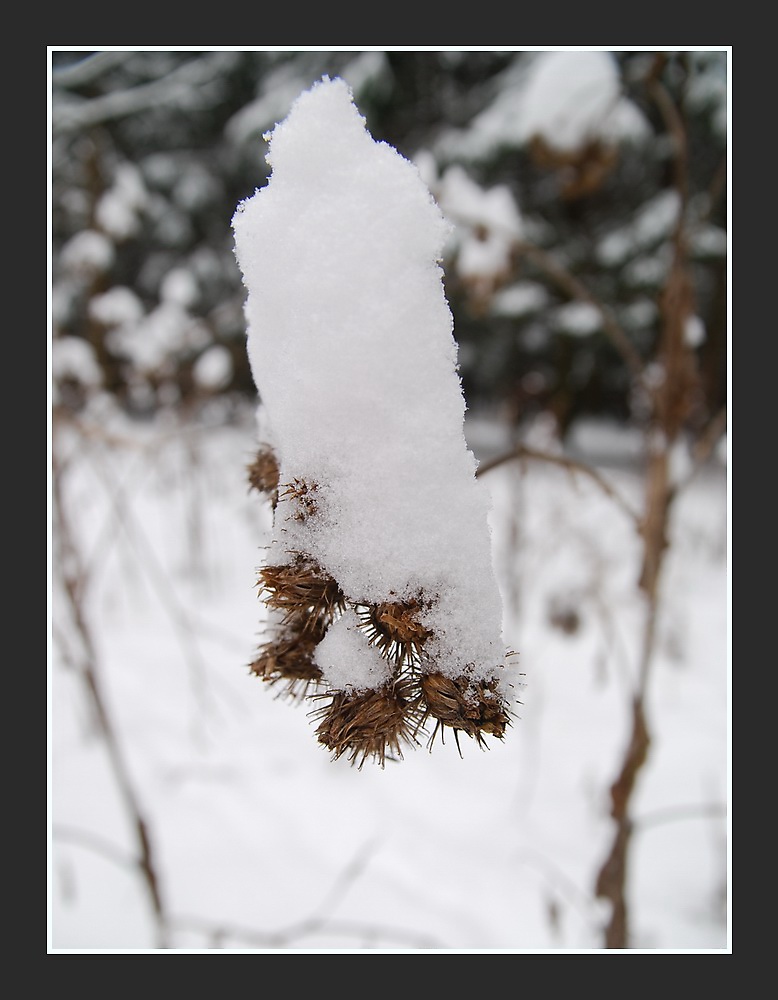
[379, 577]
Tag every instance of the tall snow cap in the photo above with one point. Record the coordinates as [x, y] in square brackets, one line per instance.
[350, 341]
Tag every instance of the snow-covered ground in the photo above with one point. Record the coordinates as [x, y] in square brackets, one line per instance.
[261, 843]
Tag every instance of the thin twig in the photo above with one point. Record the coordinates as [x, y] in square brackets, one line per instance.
[559, 880]
[574, 288]
[283, 940]
[97, 845]
[676, 814]
[716, 188]
[90, 675]
[148, 561]
[564, 461]
[703, 448]
[670, 401]
[318, 923]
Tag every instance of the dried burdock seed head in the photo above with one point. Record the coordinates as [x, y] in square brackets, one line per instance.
[302, 590]
[288, 660]
[394, 627]
[370, 724]
[303, 496]
[471, 707]
[263, 473]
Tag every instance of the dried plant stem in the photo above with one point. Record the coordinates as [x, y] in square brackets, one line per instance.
[676, 814]
[147, 559]
[704, 446]
[372, 935]
[89, 672]
[523, 451]
[574, 288]
[671, 407]
[612, 876]
[319, 922]
[672, 399]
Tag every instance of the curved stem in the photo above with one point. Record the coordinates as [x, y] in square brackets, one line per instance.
[565, 462]
[89, 672]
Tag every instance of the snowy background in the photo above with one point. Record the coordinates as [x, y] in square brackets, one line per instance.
[262, 842]
[256, 840]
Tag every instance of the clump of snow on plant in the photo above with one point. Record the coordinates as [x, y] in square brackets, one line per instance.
[350, 341]
[347, 660]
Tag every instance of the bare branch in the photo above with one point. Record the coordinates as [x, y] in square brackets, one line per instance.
[97, 845]
[575, 289]
[317, 923]
[675, 126]
[676, 814]
[703, 447]
[718, 186]
[118, 762]
[280, 940]
[522, 451]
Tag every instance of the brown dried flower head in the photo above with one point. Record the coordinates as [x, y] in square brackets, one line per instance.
[465, 706]
[370, 724]
[288, 659]
[394, 627]
[362, 725]
[263, 473]
[301, 589]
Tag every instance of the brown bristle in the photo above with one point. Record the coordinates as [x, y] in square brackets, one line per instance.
[263, 473]
[465, 706]
[395, 629]
[371, 724]
[303, 496]
[289, 658]
[301, 590]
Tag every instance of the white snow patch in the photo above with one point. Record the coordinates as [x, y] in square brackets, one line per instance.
[351, 347]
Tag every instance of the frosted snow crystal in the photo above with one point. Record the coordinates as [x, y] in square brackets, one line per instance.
[350, 341]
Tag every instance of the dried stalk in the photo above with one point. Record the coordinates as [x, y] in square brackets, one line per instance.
[577, 290]
[72, 584]
[672, 401]
[572, 465]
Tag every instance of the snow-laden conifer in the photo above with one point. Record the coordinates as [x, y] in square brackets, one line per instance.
[383, 603]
